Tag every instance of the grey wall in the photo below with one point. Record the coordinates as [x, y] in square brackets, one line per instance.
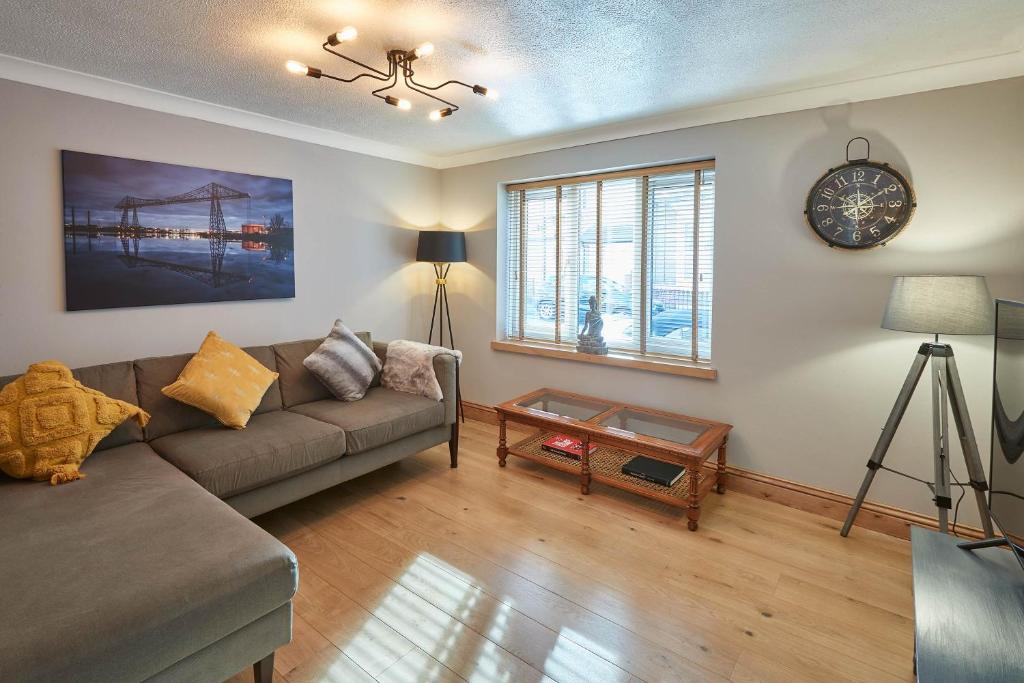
[806, 375]
[355, 219]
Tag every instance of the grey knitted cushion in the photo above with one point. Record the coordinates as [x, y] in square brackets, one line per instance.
[343, 363]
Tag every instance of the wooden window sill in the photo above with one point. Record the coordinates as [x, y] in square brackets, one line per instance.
[616, 359]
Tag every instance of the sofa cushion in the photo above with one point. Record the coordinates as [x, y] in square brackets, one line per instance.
[344, 364]
[271, 399]
[299, 385]
[50, 422]
[222, 380]
[118, 576]
[380, 417]
[168, 415]
[272, 447]
[116, 380]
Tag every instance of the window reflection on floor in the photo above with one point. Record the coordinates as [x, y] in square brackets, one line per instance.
[435, 623]
[559, 662]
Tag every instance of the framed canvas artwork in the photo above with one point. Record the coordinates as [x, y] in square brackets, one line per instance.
[144, 233]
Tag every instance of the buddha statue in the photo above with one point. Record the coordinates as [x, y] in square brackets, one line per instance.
[589, 339]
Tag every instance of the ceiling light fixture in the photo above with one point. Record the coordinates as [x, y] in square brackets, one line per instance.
[400, 62]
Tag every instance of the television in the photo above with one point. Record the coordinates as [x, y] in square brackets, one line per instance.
[1006, 466]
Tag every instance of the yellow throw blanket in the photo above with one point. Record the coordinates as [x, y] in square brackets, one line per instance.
[50, 422]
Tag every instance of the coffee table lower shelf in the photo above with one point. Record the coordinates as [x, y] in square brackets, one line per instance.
[606, 467]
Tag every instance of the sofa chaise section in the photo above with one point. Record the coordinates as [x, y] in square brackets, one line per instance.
[135, 572]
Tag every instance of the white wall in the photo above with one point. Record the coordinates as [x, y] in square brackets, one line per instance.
[806, 375]
[355, 219]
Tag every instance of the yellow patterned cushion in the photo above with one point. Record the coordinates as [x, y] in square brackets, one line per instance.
[50, 423]
[222, 380]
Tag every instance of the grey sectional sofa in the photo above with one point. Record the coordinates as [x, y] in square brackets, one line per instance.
[147, 569]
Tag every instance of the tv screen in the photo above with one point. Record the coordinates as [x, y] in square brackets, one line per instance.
[1006, 498]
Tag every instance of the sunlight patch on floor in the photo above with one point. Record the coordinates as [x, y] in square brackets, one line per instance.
[435, 623]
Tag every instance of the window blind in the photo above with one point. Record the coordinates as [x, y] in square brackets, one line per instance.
[641, 242]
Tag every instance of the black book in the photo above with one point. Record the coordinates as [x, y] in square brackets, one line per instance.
[655, 471]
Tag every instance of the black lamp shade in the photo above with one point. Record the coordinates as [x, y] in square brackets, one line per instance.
[441, 246]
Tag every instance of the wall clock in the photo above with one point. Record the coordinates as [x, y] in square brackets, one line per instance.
[861, 204]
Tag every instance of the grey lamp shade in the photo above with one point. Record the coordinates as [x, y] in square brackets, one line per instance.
[939, 304]
[441, 246]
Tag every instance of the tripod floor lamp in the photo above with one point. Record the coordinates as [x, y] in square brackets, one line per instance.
[442, 248]
[936, 304]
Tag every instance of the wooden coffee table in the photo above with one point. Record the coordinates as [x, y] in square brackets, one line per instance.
[620, 431]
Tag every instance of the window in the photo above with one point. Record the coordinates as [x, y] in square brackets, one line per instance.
[647, 236]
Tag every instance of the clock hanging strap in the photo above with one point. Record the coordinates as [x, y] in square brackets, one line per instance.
[863, 158]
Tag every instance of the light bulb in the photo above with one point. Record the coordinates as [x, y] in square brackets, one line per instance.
[424, 50]
[347, 33]
[398, 102]
[492, 94]
[435, 115]
[296, 67]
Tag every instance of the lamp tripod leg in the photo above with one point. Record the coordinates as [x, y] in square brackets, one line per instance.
[888, 431]
[433, 309]
[440, 317]
[968, 442]
[940, 440]
[447, 317]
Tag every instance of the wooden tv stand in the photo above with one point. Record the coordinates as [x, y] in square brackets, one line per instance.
[968, 611]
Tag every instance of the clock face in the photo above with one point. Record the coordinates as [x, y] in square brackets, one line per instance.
[860, 205]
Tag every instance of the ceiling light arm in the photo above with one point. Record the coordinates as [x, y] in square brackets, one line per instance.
[437, 87]
[350, 80]
[454, 107]
[412, 85]
[381, 77]
[389, 86]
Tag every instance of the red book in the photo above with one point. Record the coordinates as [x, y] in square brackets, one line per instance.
[566, 445]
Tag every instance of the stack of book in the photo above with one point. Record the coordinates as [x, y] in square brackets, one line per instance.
[560, 444]
[654, 471]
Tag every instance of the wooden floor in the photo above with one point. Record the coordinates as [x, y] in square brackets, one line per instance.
[421, 573]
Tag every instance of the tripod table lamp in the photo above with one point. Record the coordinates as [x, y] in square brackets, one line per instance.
[442, 248]
[934, 305]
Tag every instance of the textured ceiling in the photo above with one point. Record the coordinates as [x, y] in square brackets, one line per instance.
[559, 65]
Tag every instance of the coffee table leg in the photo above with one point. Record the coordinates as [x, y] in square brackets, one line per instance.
[502, 447]
[720, 479]
[585, 469]
[693, 512]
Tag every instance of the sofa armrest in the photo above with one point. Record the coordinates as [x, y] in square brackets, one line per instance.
[381, 349]
[445, 370]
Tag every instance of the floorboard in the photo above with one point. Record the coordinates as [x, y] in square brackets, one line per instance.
[418, 572]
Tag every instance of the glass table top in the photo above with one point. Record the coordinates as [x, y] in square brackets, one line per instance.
[674, 429]
[566, 406]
